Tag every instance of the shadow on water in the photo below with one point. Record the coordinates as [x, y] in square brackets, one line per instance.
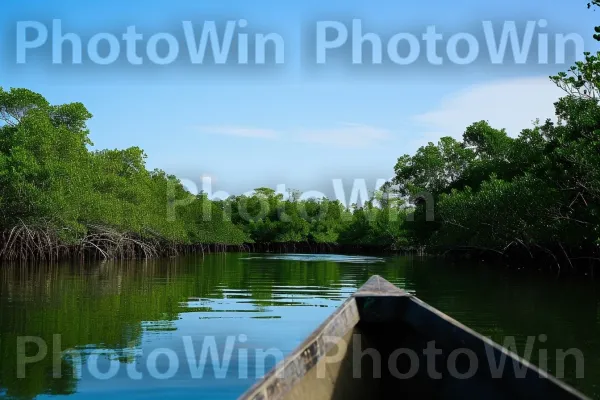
[120, 310]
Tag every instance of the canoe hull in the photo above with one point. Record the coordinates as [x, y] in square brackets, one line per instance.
[385, 343]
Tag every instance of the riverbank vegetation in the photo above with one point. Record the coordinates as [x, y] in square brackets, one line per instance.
[533, 196]
[59, 199]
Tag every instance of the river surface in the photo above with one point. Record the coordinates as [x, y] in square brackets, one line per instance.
[137, 330]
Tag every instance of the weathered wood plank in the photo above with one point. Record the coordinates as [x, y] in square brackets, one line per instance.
[279, 381]
[377, 286]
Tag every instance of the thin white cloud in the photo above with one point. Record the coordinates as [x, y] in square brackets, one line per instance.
[345, 135]
[239, 131]
[511, 104]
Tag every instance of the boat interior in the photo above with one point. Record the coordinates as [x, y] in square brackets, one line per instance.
[384, 343]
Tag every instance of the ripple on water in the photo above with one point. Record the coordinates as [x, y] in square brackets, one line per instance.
[337, 258]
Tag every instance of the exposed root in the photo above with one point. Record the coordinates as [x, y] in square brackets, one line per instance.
[32, 243]
[42, 243]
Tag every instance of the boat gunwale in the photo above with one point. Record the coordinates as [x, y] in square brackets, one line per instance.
[277, 382]
[272, 386]
[486, 341]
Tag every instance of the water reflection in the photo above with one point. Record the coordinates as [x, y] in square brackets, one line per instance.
[121, 312]
[319, 257]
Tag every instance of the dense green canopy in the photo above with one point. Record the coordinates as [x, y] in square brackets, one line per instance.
[534, 194]
[58, 197]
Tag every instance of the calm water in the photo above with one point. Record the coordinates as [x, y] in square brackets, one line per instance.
[116, 318]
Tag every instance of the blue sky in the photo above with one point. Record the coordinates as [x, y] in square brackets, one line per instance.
[290, 124]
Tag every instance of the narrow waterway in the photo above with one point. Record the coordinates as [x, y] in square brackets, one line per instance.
[138, 330]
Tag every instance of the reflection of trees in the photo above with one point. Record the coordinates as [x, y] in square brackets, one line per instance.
[100, 305]
[109, 305]
[501, 304]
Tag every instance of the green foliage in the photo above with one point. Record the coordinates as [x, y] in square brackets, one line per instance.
[432, 168]
[51, 181]
[591, 4]
[49, 178]
[582, 79]
[538, 192]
